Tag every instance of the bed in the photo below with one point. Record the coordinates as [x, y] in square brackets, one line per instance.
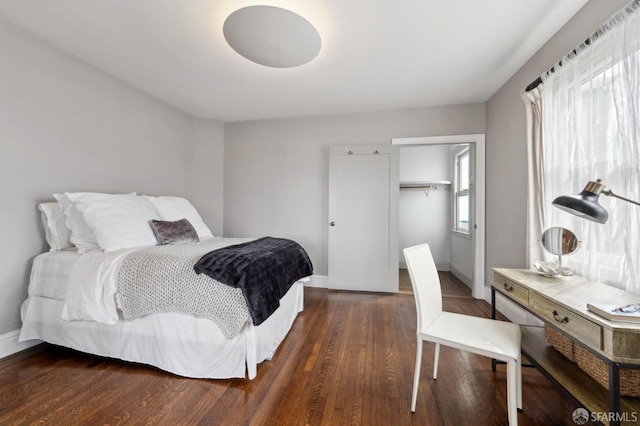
[78, 297]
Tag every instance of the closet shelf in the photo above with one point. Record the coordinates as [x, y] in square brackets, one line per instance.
[443, 185]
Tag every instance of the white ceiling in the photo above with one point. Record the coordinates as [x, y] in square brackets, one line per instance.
[375, 55]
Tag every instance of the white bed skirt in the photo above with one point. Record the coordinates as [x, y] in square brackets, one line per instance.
[179, 344]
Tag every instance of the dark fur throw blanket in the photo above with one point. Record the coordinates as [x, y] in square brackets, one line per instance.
[264, 269]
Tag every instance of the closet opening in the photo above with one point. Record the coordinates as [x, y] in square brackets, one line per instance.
[441, 203]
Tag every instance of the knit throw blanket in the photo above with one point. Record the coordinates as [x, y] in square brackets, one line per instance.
[161, 279]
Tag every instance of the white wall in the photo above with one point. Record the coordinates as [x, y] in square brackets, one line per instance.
[66, 126]
[425, 216]
[208, 173]
[506, 140]
[276, 171]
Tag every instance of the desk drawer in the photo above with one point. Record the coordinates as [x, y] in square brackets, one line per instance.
[511, 289]
[573, 324]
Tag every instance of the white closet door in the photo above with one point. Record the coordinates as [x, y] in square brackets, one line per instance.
[363, 218]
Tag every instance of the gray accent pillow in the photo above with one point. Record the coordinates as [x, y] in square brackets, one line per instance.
[176, 232]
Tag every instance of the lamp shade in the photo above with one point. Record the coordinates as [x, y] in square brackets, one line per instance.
[585, 204]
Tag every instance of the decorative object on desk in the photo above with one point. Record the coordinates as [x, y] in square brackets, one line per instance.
[560, 242]
[586, 205]
[629, 312]
[548, 269]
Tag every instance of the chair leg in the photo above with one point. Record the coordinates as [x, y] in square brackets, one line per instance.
[519, 380]
[416, 375]
[435, 361]
[512, 392]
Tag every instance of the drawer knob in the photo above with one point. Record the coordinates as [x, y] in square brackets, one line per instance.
[508, 287]
[561, 320]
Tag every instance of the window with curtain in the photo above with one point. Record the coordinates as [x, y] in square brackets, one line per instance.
[591, 130]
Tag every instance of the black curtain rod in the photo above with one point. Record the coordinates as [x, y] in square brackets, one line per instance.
[618, 17]
[537, 82]
[568, 56]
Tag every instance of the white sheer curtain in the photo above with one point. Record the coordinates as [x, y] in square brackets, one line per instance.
[591, 125]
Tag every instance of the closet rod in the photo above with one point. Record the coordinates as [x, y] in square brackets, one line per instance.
[444, 185]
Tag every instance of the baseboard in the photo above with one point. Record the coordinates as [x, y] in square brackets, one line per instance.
[443, 266]
[9, 344]
[318, 281]
[440, 266]
[461, 276]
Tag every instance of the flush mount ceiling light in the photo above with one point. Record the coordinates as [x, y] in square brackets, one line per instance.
[272, 36]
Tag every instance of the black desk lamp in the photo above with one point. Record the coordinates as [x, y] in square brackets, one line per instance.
[585, 204]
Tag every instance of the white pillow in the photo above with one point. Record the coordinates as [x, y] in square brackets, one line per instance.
[176, 208]
[81, 235]
[55, 226]
[118, 221]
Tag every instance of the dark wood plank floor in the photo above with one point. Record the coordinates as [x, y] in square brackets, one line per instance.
[348, 360]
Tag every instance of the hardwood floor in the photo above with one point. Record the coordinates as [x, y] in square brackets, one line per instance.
[348, 359]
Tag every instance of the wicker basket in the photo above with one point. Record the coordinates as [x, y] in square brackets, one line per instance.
[562, 344]
[598, 369]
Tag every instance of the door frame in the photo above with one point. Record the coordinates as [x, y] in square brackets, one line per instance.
[478, 233]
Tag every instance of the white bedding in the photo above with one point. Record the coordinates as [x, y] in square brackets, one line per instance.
[50, 273]
[179, 344]
[81, 289]
[94, 282]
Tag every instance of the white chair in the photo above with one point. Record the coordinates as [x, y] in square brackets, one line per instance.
[496, 339]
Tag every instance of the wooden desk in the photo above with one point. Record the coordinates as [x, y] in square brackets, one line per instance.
[561, 302]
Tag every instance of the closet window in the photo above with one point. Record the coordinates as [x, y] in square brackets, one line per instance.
[461, 209]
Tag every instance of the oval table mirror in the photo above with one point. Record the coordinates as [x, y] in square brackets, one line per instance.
[560, 242]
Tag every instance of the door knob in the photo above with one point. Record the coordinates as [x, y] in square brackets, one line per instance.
[332, 223]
